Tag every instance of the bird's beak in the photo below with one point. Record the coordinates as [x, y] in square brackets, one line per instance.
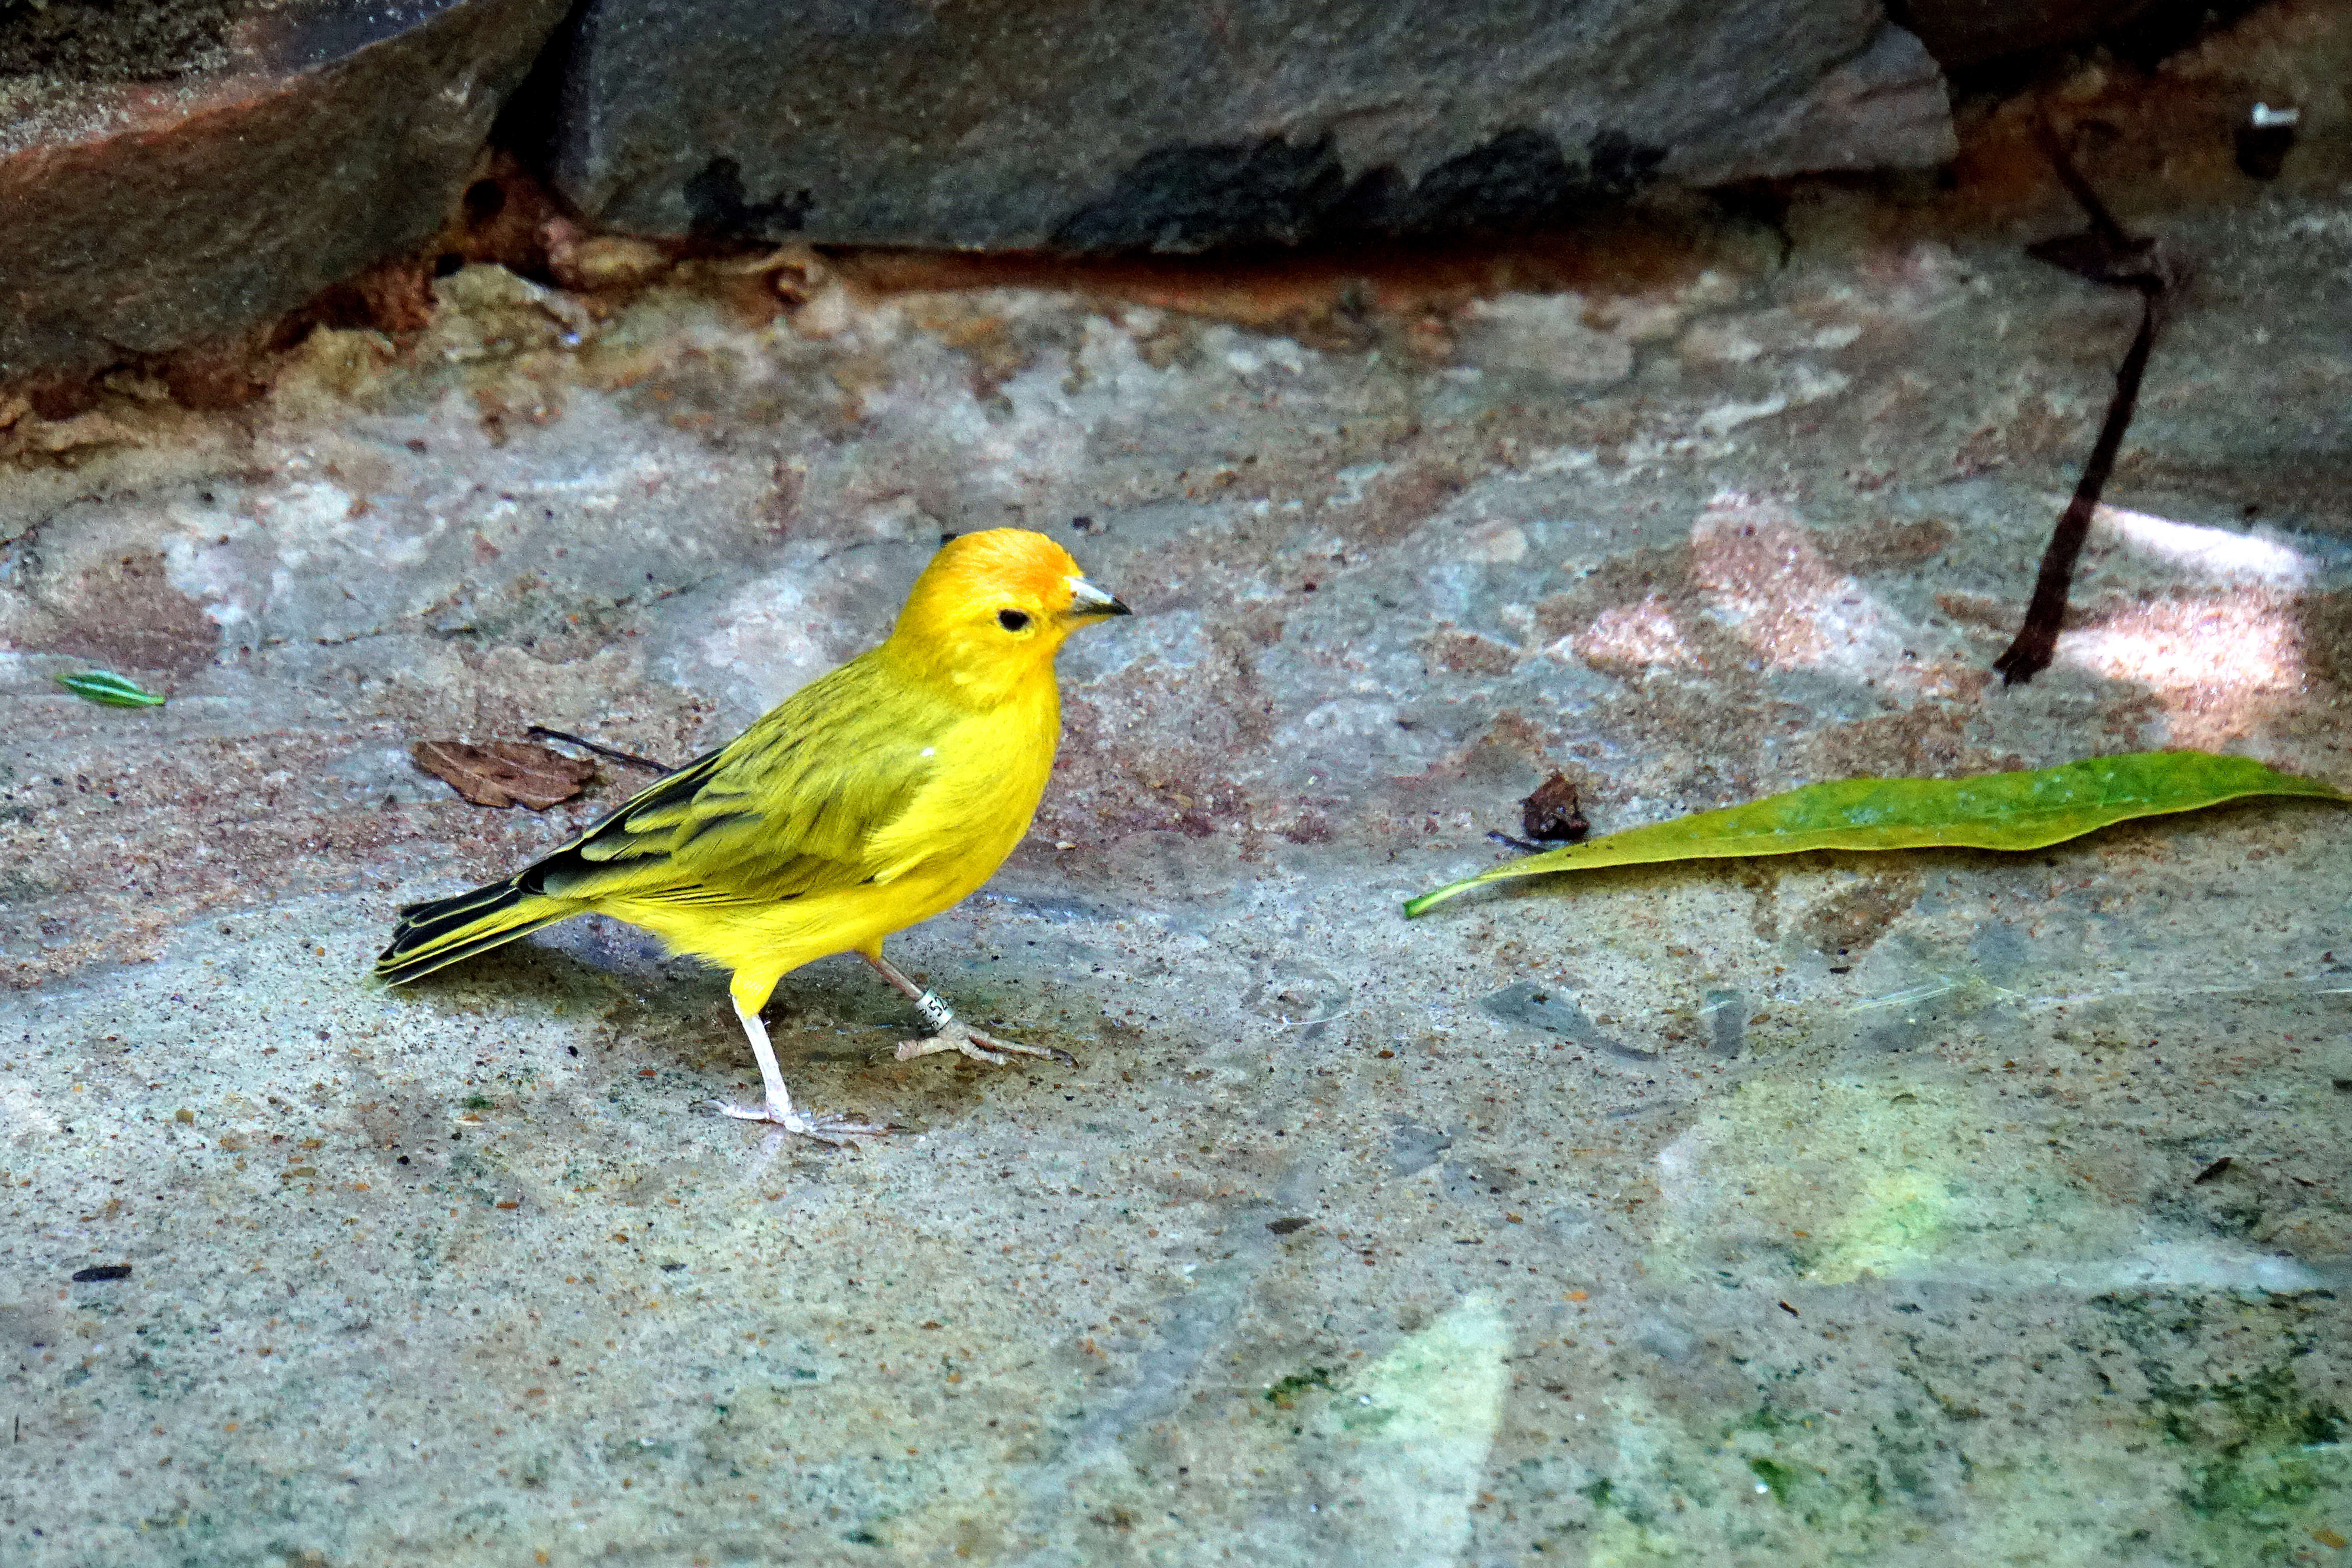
[1086, 599]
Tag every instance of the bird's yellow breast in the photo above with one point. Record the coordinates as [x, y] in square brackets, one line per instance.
[989, 771]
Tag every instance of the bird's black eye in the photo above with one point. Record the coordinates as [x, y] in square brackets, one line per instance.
[1011, 620]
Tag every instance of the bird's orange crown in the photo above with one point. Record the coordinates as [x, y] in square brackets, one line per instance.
[991, 611]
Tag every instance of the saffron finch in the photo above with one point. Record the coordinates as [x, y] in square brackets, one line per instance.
[873, 797]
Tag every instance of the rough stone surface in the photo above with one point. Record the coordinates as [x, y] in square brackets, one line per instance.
[1172, 127]
[143, 217]
[1820, 1210]
[94, 40]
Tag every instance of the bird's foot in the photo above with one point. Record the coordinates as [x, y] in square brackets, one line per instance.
[824, 1127]
[955, 1034]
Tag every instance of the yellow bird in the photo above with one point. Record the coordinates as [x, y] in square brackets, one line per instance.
[873, 797]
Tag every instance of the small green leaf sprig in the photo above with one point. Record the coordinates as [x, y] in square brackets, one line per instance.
[110, 690]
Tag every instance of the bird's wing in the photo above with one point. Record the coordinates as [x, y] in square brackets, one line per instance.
[788, 807]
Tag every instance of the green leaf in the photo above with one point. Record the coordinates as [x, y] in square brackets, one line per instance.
[1990, 811]
[106, 687]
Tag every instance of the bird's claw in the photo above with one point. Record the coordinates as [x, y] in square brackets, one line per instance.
[825, 1128]
[960, 1037]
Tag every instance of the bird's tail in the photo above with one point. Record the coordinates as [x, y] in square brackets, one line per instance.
[440, 931]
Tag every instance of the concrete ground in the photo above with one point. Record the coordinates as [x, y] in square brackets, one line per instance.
[1938, 1208]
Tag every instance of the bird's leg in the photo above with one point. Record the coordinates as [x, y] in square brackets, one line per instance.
[778, 1107]
[950, 1032]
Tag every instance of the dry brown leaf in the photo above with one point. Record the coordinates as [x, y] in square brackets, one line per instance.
[504, 772]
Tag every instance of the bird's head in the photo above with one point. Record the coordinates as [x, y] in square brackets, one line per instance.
[992, 610]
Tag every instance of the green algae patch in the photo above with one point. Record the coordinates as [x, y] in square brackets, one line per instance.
[2265, 1462]
[2012, 811]
[1285, 1393]
[1774, 1477]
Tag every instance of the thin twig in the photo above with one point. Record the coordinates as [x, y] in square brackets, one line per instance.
[2037, 639]
[2107, 254]
[2061, 162]
[601, 750]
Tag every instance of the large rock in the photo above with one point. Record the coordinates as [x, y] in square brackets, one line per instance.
[144, 216]
[1155, 124]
